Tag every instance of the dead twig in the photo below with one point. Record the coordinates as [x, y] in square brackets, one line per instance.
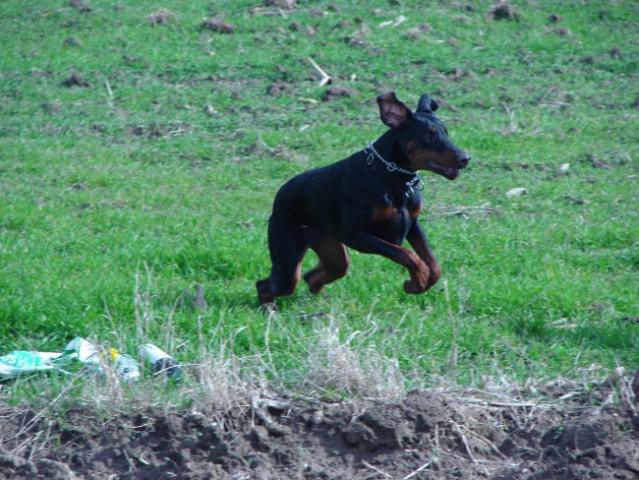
[31, 423]
[487, 442]
[462, 210]
[513, 126]
[465, 442]
[394, 23]
[325, 77]
[499, 404]
[376, 469]
[108, 87]
[24, 431]
[412, 474]
[271, 426]
[263, 144]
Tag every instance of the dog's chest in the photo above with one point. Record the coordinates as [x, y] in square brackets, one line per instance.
[393, 216]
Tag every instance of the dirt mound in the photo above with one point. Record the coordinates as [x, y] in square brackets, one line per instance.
[430, 434]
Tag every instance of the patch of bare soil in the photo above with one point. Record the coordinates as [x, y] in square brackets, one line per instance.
[336, 92]
[218, 25]
[574, 434]
[503, 10]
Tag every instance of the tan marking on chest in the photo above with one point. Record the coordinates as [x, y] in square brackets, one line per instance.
[384, 214]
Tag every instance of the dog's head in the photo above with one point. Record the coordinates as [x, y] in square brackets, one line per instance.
[423, 137]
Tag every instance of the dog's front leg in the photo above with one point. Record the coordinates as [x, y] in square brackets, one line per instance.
[418, 270]
[417, 238]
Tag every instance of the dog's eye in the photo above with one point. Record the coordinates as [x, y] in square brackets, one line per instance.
[432, 131]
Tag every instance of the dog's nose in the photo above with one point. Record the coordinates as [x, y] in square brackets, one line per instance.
[464, 160]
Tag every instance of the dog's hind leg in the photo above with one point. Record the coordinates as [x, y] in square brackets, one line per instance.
[287, 245]
[333, 263]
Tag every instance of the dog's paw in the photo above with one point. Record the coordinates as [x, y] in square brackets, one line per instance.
[264, 296]
[314, 281]
[414, 288]
[269, 308]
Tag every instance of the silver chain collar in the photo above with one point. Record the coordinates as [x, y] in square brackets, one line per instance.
[411, 185]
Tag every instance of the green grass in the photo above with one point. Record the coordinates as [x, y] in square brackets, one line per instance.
[103, 183]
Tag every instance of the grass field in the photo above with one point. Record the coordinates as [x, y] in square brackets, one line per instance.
[139, 155]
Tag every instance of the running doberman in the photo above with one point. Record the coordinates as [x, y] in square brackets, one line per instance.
[369, 201]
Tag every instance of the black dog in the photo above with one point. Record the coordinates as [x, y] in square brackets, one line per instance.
[369, 202]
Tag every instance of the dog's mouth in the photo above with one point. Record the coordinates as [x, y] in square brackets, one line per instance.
[448, 172]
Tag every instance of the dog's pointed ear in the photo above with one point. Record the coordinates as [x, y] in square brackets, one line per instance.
[427, 104]
[393, 112]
